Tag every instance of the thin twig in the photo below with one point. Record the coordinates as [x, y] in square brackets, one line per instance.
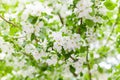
[113, 27]
[87, 59]
[81, 22]
[88, 64]
[7, 21]
[61, 19]
[73, 59]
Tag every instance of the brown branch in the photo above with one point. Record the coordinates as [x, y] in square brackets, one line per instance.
[81, 21]
[61, 19]
[88, 64]
[7, 21]
[73, 59]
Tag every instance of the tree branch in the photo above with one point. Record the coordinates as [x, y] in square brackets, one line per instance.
[73, 59]
[61, 19]
[7, 21]
[88, 64]
[113, 27]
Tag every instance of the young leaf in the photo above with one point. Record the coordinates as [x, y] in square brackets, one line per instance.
[72, 69]
[32, 36]
[109, 4]
[32, 19]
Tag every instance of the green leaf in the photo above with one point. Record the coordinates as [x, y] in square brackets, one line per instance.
[117, 29]
[89, 22]
[100, 69]
[109, 78]
[102, 51]
[32, 19]
[0, 50]
[109, 4]
[33, 36]
[4, 69]
[41, 0]
[13, 30]
[81, 74]
[83, 49]
[72, 69]
[60, 78]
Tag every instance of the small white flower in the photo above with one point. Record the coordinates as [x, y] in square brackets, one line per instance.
[6, 77]
[2, 56]
[37, 28]
[52, 60]
[57, 47]
[105, 65]
[83, 8]
[97, 19]
[29, 48]
[27, 28]
[36, 55]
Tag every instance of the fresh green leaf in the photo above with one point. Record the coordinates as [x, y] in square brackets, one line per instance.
[110, 5]
[32, 19]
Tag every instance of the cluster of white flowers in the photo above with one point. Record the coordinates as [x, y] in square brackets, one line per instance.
[6, 77]
[26, 72]
[103, 10]
[61, 6]
[83, 8]
[69, 43]
[6, 49]
[100, 7]
[97, 19]
[78, 64]
[17, 62]
[9, 2]
[30, 48]
[28, 28]
[91, 36]
[32, 9]
[35, 9]
[52, 60]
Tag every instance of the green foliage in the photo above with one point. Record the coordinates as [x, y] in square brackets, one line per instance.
[118, 44]
[33, 36]
[4, 69]
[100, 69]
[103, 51]
[32, 19]
[14, 30]
[89, 23]
[110, 5]
[72, 69]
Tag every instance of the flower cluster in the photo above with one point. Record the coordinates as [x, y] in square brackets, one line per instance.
[68, 43]
[83, 8]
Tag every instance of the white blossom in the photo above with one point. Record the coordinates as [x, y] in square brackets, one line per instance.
[27, 72]
[52, 60]
[83, 8]
[69, 43]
